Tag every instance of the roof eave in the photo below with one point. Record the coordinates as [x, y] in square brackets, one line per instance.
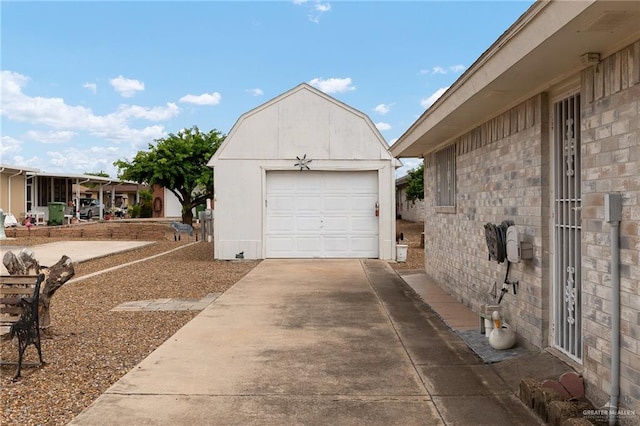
[522, 62]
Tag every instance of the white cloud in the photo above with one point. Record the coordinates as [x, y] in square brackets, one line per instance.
[383, 126]
[316, 8]
[322, 7]
[9, 146]
[74, 160]
[59, 136]
[152, 114]
[442, 70]
[126, 87]
[204, 99]
[138, 137]
[12, 83]
[408, 164]
[256, 92]
[333, 85]
[427, 102]
[382, 109]
[91, 87]
[32, 163]
[55, 113]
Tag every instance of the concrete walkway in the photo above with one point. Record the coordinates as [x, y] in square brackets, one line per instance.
[308, 342]
[79, 251]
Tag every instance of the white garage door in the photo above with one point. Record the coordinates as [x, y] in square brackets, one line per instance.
[321, 214]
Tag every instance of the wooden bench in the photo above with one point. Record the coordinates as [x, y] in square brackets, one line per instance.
[19, 299]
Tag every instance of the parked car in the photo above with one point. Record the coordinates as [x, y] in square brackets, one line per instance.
[91, 210]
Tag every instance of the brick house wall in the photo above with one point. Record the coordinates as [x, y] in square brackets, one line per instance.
[157, 202]
[503, 172]
[498, 167]
[611, 163]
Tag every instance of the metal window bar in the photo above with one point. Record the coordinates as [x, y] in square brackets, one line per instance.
[445, 176]
[567, 293]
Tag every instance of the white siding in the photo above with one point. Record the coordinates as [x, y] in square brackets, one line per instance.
[172, 206]
[303, 121]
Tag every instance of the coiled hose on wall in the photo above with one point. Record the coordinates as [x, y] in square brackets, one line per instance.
[496, 236]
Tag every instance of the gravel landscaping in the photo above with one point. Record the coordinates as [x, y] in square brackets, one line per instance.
[89, 347]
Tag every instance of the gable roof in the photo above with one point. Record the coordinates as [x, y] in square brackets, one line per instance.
[545, 46]
[301, 87]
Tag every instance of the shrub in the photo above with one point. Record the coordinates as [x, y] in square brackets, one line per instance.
[134, 211]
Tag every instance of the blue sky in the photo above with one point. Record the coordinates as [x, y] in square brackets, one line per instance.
[87, 83]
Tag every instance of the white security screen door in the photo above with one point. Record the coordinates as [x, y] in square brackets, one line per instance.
[567, 223]
[321, 214]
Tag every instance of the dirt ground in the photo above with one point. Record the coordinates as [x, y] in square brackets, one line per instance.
[89, 347]
[411, 232]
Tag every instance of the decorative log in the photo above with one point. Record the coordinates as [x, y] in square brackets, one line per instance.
[22, 263]
[55, 277]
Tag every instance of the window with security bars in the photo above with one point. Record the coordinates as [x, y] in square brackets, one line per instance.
[445, 160]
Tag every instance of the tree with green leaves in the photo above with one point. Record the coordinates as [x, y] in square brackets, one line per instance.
[99, 174]
[177, 162]
[415, 183]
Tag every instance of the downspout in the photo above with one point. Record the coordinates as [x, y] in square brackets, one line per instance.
[613, 215]
[2, 170]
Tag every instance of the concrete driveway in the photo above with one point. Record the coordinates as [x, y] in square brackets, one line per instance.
[311, 342]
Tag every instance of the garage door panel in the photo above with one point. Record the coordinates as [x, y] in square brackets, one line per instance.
[363, 224]
[321, 214]
[363, 184]
[281, 224]
[307, 204]
[279, 183]
[339, 204]
[308, 223]
[362, 244]
[282, 244]
[336, 224]
[309, 245]
[282, 203]
[338, 245]
[336, 186]
[310, 184]
[363, 203]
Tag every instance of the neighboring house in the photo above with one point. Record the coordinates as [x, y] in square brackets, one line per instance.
[115, 194]
[26, 191]
[540, 130]
[303, 176]
[165, 203]
[13, 184]
[411, 210]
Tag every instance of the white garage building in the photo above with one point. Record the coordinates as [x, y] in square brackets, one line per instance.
[304, 176]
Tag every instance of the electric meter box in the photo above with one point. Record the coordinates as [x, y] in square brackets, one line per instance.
[517, 250]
